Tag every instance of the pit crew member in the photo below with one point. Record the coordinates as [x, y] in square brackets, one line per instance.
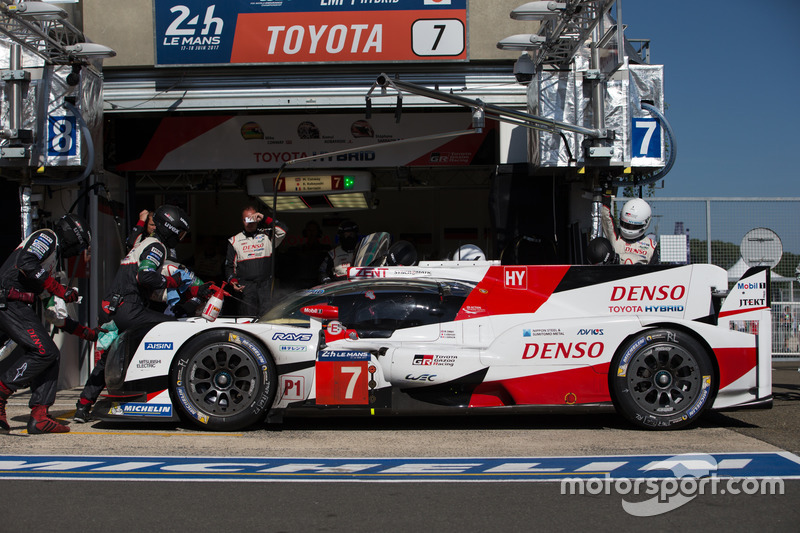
[138, 277]
[629, 240]
[25, 275]
[248, 262]
[337, 261]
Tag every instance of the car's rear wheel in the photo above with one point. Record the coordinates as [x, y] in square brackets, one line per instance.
[223, 380]
[662, 379]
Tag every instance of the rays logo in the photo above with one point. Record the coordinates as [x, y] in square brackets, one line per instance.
[302, 337]
[597, 331]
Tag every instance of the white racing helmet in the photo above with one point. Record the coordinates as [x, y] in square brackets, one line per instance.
[469, 252]
[634, 219]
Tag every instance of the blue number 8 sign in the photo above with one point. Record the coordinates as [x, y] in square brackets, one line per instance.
[61, 136]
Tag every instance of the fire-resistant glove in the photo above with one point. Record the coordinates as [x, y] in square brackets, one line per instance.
[174, 281]
[200, 291]
[69, 295]
[88, 334]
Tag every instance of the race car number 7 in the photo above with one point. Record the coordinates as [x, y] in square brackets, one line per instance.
[342, 383]
[443, 37]
[354, 372]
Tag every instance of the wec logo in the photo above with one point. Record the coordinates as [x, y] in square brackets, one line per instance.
[421, 377]
[301, 337]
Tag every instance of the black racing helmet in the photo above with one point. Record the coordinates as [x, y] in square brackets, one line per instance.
[172, 224]
[73, 235]
[600, 251]
[348, 235]
[401, 253]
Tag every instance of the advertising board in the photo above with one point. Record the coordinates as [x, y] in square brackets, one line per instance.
[263, 141]
[211, 32]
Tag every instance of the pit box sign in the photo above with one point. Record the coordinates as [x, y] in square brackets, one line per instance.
[236, 32]
[62, 140]
[645, 138]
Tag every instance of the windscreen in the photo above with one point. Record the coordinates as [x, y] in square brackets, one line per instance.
[376, 307]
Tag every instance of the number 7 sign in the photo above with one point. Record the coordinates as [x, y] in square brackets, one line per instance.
[342, 383]
[645, 138]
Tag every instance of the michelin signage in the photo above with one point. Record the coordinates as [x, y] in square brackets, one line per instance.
[213, 32]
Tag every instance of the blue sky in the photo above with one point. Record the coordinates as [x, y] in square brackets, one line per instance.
[731, 85]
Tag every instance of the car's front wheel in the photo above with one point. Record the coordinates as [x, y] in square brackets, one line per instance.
[223, 380]
[662, 379]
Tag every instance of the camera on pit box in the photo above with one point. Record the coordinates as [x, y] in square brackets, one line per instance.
[524, 69]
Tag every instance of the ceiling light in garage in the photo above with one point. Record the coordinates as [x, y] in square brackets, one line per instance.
[285, 203]
[354, 200]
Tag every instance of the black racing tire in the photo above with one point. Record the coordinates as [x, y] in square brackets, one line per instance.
[223, 380]
[662, 379]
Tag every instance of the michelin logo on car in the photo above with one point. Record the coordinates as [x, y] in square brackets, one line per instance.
[145, 409]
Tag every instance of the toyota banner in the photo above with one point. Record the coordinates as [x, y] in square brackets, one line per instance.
[213, 32]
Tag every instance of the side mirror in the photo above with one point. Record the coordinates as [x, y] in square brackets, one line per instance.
[322, 311]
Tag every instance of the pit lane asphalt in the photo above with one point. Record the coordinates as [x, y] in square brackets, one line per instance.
[136, 506]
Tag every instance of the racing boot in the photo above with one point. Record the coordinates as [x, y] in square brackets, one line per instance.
[41, 422]
[5, 392]
[82, 408]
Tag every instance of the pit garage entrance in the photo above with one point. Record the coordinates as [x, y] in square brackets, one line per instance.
[452, 187]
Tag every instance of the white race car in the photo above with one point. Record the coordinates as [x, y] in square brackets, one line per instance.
[660, 344]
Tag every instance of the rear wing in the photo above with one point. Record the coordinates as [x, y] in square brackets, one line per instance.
[747, 307]
[749, 297]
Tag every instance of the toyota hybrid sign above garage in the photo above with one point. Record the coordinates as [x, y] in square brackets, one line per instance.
[217, 32]
[267, 142]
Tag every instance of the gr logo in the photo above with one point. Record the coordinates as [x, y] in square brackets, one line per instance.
[61, 136]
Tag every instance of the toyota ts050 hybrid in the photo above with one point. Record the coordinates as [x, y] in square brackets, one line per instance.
[660, 344]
